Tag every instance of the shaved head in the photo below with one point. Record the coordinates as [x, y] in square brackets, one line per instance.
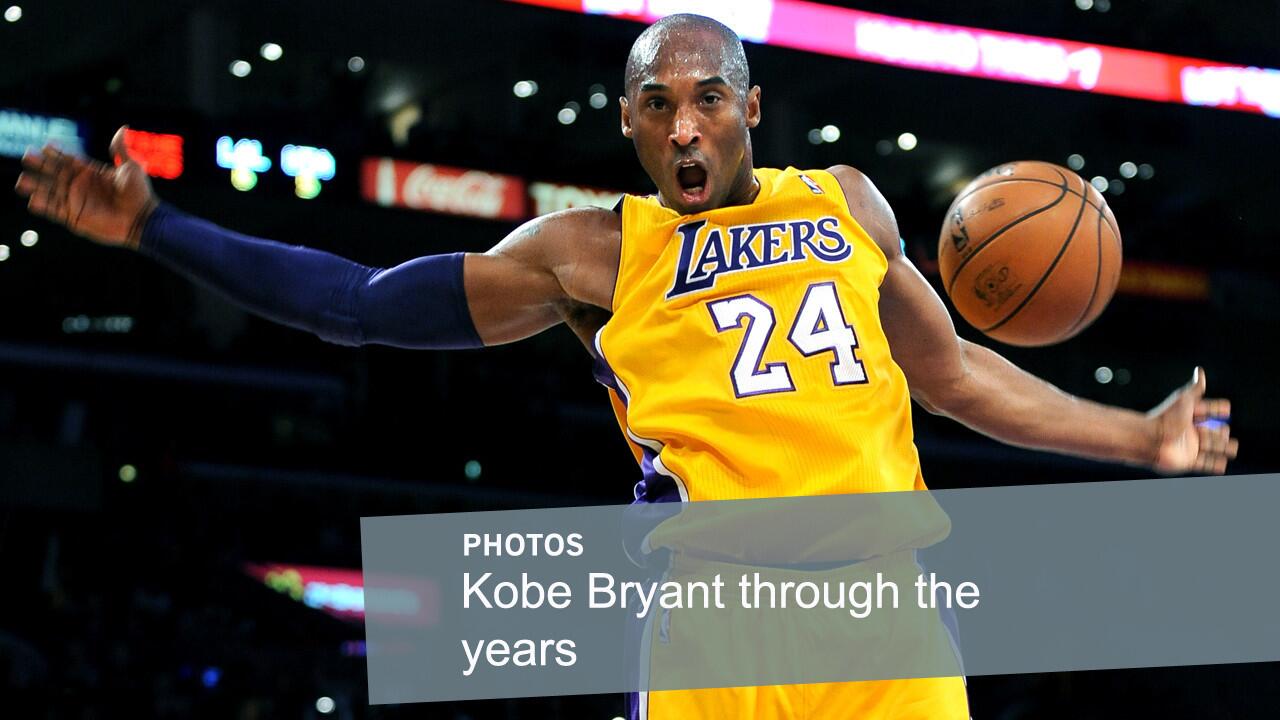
[683, 35]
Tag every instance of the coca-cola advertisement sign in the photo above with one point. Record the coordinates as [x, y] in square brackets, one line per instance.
[439, 188]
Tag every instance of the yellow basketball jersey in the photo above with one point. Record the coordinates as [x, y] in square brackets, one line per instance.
[746, 352]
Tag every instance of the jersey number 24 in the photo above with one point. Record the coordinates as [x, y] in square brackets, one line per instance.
[819, 327]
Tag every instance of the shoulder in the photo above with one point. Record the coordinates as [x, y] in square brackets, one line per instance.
[564, 235]
[869, 208]
[586, 224]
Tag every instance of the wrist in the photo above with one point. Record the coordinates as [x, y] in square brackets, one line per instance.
[137, 228]
[1148, 436]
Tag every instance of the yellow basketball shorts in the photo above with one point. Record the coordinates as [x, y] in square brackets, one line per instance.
[677, 642]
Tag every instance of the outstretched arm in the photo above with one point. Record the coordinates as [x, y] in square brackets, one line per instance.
[443, 301]
[976, 386]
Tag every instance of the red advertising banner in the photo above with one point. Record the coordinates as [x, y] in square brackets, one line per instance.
[439, 188]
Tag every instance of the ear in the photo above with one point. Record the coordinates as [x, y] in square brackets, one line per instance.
[753, 106]
[626, 117]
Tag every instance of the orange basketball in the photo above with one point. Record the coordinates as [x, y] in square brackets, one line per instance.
[1029, 253]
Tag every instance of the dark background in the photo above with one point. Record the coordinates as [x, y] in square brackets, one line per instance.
[259, 443]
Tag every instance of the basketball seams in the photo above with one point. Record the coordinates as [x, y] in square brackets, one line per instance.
[1042, 182]
[1052, 266]
[1065, 188]
[1097, 282]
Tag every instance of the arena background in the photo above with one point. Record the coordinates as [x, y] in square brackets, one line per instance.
[176, 474]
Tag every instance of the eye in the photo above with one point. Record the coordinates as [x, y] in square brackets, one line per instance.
[711, 98]
[657, 104]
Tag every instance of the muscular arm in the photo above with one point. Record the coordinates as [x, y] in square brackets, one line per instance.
[546, 270]
[979, 388]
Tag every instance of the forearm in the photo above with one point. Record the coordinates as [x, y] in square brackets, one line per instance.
[1000, 400]
[420, 304]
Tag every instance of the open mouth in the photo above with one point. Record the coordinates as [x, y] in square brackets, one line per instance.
[692, 178]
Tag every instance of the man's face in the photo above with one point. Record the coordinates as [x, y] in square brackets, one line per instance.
[690, 128]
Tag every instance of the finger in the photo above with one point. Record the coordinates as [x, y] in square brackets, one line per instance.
[1197, 384]
[1205, 465]
[32, 160]
[1212, 441]
[1213, 408]
[1211, 464]
[61, 188]
[119, 150]
[26, 184]
[50, 154]
[50, 161]
[68, 166]
[1233, 449]
[38, 203]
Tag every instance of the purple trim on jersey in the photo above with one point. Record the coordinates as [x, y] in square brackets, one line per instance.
[653, 486]
[603, 374]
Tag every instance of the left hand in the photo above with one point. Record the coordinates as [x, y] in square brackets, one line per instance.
[1186, 442]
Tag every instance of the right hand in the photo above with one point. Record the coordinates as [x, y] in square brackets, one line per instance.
[106, 204]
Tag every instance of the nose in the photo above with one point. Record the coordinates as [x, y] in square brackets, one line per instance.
[684, 131]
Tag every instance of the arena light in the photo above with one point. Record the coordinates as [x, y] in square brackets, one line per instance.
[271, 52]
[1166, 282]
[13, 13]
[29, 238]
[240, 68]
[307, 166]
[355, 63]
[244, 159]
[159, 154]
[21, 130]
[973, 52]
[336, 591]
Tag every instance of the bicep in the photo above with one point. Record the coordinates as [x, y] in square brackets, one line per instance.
[522, 285]
[509, 297]
[921, 336]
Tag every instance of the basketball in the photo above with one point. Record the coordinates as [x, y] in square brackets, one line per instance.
[1029, 253]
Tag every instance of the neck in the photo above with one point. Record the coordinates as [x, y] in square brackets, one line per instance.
[745, 187]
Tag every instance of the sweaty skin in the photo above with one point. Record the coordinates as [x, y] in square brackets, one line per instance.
[689, 112]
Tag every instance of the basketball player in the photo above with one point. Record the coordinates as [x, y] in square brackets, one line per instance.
[742, 317]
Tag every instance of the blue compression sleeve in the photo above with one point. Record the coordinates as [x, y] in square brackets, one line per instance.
[420, 304]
